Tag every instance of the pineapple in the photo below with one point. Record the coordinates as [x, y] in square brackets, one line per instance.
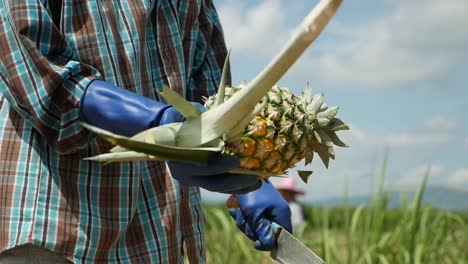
[287, 130]
[281, 130]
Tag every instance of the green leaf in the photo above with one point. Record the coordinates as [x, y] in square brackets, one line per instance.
[191, 155]
[329, 113]
[336, 140]
[317, 137]
[222, 83]
[122, 156]
[322, 151]
[323, 122]
[337, 124]
[307, 94]
[326, 140]
[162, 135]
[316, 103]
[309, 156]
[304, 175]
[331, 152]
[187, 109]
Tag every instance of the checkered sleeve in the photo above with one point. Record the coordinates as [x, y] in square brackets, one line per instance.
[210, 54]
[40, 76]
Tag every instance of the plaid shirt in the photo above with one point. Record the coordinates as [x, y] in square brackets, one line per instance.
[49, 196]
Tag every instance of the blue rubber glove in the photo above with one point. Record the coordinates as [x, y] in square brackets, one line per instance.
[213, 176]
[256, 210]
[122, 112]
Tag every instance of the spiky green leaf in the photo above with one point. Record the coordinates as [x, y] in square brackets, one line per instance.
[191, 155]
[337, 124]
[187, 109]
[307, 94]
[309, 156]
[336, 140]
[328, 113]
[316, 103]
[222, 83]
[122, 156]
[304, 175]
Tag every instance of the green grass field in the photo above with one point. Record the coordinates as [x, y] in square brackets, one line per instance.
[366, 234]
[355, 235]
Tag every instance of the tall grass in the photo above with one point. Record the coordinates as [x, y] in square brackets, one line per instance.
[413, 233]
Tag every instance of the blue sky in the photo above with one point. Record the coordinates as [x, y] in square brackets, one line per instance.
[398, 69]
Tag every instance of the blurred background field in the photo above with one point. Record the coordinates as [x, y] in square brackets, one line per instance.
[378, 231]
[355, 235]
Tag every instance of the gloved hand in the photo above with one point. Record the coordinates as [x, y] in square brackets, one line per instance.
[256, 210]
[125, 113]
[122, 112]
[213, 176]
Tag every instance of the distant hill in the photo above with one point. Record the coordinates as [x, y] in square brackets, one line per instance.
[441, 197]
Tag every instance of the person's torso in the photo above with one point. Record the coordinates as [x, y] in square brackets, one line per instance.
[118, 211]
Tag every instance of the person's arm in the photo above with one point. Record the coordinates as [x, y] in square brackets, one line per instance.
[39, 75]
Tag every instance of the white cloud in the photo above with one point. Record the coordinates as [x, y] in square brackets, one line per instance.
[414, 140]
[442, 123]
[362, 146]
[420, 40]
[254, 30]
[416, 175]
[354, 135]
[331, 182]
[429, 134]
[458, 177]
[436, 131]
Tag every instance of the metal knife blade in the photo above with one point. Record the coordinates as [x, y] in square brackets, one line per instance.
[289, 250]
